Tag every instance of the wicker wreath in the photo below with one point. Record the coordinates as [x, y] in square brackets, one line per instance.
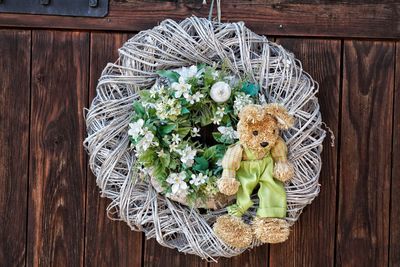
[171, 45]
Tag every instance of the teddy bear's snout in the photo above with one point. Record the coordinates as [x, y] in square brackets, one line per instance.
[264, 144]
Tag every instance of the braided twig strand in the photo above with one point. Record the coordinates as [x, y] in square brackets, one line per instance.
[171, 45]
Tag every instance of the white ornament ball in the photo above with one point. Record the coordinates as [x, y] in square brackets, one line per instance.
[220, 92]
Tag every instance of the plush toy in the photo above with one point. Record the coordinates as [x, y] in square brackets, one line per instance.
[258, 160]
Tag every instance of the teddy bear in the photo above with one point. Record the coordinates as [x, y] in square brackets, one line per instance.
[258, 160]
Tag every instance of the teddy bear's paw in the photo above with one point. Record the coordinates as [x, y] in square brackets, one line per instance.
[228, 186]
[283, 171]
[233, 231]
[271, 230]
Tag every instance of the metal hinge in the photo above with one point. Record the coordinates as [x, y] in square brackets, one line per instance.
[76, 8]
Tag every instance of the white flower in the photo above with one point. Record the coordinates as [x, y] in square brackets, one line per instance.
[153, 91]
[228, 132]
[187, 155]
[219, 163]
[191, 72]
[161, 153]
[198, 179]
[195, 132]
[232, 80]
[135, 128]
[219, 114]
[194, 98]
[181, 88]
[220, 92]
[197, 96]
[175, 138]
[177, 182]
[240, 102]
[173, 147]
[146, 141]
[215, 74]
[216, 120]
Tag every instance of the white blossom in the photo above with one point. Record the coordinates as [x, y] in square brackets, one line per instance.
[161, 153]
[195, 98]
[177, 180]
[173, 147]
[175, 138]
[191, 72]
[219, 163]
[228, 132]
[135, 128]
[240, 102]
[195, 132]
[219, 114]
[198, 179]
[181, 88]
[216, 120]
[215, 74]
[146, 141]
[187, 155]
[220, 92]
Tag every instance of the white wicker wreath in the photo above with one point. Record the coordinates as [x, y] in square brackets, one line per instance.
[171, 45]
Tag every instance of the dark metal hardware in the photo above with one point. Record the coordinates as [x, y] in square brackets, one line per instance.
[93, 3]
[44, 2]
[75, 8]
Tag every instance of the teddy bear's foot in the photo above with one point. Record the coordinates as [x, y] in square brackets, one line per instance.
[271, 230]
[233, 231]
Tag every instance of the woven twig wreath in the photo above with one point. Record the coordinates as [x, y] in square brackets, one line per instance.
[172, 45]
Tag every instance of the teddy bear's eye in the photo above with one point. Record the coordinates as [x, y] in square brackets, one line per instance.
[255, 133]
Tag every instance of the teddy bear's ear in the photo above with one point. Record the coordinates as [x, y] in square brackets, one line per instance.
[284, 119]
[251, 113]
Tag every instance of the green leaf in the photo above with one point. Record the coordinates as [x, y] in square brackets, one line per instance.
[184, 110]
[206, 115]
[159, 171]
[214, 152]
[139, 109]
[183, 131]
[147, 157]
[201, 164]
[217, 137]
[222, 139]
[250, 88]
[166, 129]
[171, 75]
[144, 94]
[165, 160]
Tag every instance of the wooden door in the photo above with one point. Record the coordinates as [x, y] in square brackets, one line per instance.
[51, 210]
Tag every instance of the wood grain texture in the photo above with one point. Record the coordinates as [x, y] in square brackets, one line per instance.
[394, 230]
[156, 255]
[108, 243]
[256, 257]
[372, 19]
[57, 184]
[14, 144]
[365, 160]
[314, 233]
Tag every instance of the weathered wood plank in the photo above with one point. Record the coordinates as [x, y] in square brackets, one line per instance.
[15, 48]
[394, 231]
[315, 230]
[365, 154]
[108, 243]
[57, 160]
[250, 258]
[373, 19]
[156, 255]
